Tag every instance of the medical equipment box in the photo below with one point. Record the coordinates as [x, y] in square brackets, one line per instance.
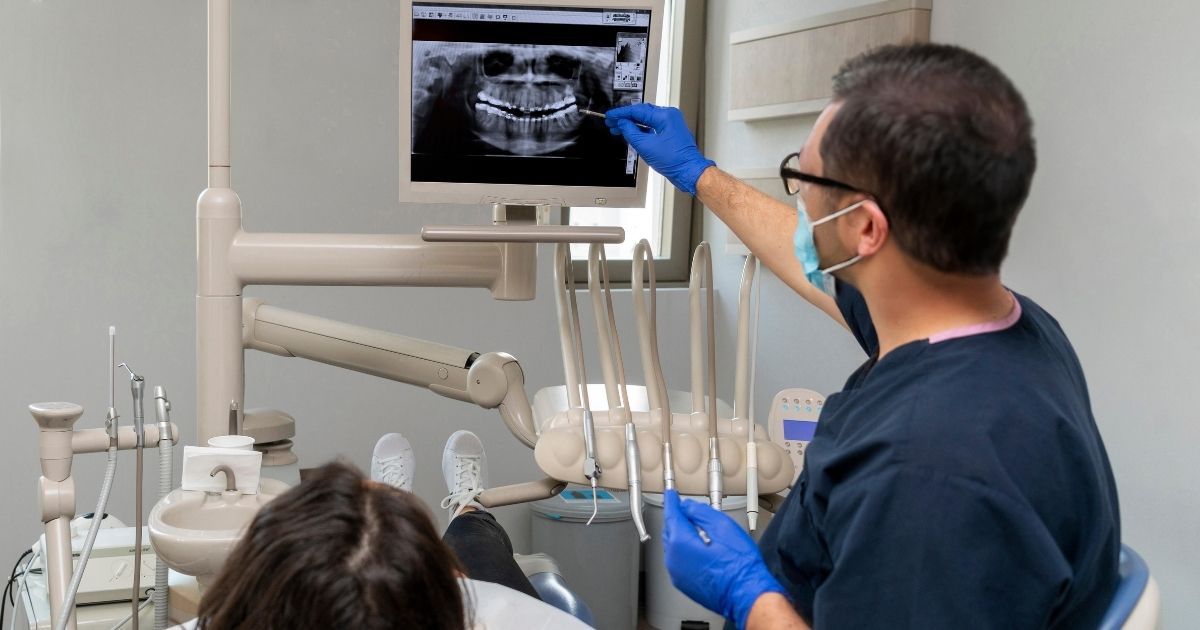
[599, 562]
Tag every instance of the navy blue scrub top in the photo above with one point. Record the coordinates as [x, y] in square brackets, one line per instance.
[957, 484]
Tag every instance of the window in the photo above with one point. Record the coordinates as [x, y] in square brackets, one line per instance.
[667, 219]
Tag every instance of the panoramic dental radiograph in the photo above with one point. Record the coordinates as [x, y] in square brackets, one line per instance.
[511, 99]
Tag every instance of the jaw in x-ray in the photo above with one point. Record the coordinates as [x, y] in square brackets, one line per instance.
[520, 99]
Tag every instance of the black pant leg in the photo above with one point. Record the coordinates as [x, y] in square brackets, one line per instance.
[485, 551]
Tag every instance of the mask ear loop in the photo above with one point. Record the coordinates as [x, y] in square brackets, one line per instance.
[844, 211]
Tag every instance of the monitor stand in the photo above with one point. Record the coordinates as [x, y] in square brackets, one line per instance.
[515, 223]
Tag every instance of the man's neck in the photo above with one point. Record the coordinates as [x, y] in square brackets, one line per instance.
[918, 303]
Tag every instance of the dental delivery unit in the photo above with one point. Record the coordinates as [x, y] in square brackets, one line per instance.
[509, 127]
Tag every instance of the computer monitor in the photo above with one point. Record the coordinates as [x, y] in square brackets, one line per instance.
[491, 95]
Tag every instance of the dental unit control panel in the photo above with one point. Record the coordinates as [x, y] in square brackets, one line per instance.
[793, 421]
[109, 573]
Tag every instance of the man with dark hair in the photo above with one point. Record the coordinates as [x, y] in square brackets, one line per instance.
[959, 479]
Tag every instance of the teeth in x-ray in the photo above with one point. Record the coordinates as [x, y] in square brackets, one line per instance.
[557, 115]
[565, 102]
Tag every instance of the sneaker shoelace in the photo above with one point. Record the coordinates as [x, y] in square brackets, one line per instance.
[467, 474]
[392, 471]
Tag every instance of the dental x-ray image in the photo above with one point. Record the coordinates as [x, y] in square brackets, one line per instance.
[509, 113]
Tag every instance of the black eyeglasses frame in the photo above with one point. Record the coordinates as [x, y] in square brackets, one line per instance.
[789, 174]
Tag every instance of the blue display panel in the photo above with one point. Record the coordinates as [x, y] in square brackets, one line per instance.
[585, 496]
[802, 430]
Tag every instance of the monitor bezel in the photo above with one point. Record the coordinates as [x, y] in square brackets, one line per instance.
[522, 194]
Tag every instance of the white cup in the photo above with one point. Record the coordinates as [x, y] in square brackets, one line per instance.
[239, 442]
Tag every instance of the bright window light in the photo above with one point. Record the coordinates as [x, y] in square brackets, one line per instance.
[639, 223]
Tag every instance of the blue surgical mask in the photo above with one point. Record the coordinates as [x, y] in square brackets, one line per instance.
[806, 248]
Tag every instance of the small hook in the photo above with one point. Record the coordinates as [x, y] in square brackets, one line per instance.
[132, 376]
[595, 503]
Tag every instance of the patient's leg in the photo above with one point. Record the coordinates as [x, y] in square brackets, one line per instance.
[480, 543]
[485, 551]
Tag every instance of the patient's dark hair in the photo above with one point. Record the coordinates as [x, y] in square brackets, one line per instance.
[338, 551]
[943, 141]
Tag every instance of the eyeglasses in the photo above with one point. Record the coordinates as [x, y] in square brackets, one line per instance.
[789, 172]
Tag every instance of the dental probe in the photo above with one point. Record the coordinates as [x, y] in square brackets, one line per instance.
[577, 367]
[574, 367]
[591, 469]
[589, 112]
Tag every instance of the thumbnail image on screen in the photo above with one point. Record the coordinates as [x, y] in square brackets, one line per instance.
[497, 92]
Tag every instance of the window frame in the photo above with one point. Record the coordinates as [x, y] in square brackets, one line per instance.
[680, 212]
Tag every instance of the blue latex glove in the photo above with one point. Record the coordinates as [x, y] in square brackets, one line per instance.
[726, 576]
[669, 149]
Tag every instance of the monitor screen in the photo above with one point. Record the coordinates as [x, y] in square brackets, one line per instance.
[497, 93]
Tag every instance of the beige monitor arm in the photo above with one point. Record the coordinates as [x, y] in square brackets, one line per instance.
[493, 380]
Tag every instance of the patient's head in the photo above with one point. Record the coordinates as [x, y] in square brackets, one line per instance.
[338, 551]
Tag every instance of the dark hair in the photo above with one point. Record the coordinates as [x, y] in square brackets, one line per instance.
[943, 141]
[338, 551]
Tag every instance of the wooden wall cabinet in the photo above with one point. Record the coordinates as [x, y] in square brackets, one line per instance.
[784, 70]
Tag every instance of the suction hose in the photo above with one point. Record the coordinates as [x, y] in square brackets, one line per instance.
[162, 408]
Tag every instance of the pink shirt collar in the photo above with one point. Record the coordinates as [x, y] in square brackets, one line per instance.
[978, 329]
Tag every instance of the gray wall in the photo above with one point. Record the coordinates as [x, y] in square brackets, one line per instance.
[1104, 242]
[102, 155]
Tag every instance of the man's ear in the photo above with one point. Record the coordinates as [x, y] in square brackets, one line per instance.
[873, 229]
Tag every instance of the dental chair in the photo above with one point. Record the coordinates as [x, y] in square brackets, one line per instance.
[543, 573]
[1137, 604]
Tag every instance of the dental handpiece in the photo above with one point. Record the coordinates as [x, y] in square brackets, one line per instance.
[752, 482]
[633, 468]
[137, 385]
[716, 482]
[668, 467]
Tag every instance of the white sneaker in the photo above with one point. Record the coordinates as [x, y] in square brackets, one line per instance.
[464, 466]
[393, 461]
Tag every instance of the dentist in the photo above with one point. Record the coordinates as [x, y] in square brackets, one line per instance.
[958, 480]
